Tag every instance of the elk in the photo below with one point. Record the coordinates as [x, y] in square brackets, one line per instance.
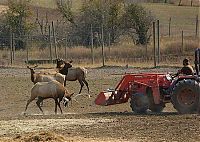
[73, 74]
[52, 89]
[42, 77]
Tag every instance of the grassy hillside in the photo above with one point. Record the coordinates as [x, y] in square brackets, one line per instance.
[183, 17]
[49, 3]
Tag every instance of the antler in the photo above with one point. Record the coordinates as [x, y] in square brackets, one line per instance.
[35, 66]
[32, 67]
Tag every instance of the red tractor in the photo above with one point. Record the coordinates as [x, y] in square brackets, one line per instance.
[153, 90]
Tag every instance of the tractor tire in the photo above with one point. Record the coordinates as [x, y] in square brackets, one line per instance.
[152, 106]
[139, 103]
[185, 96]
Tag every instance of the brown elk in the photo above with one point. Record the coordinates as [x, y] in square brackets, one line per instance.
[42, 77]
[73, 74]
[52, 89]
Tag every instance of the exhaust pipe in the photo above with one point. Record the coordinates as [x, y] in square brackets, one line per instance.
[197, 61]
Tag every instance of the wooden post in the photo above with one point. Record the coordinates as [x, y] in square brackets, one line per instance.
[54, 39]
[66, 45]
[197, 25]
[191, 2]
[50, 44]
[13, 46]
[109, 44]
[102, 33]
[158, 34]
[182, 44]
[46, 23]
[27, 49]
[11, 54]
[92, 44]
[102, 40]
[154, 43]
[170, 19]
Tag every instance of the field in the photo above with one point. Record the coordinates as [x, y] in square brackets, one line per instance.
[83, 121]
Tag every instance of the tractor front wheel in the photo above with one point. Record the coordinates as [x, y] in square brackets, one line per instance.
[139, 103]
[185, 96]
[152, 106]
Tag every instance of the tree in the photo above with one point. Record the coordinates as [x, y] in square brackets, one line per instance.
[66, 10]
[114, 15]
[137, 22]
[16, 20]
[98, 13]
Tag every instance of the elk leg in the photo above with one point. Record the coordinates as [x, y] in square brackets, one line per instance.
[56, 103]
[41, 104]
[28, 102]
[82, 84]
[60, 107]
[40, 99]
[86, 85]
[65, 80]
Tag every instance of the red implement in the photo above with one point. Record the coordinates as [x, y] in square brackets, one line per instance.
[132, 83]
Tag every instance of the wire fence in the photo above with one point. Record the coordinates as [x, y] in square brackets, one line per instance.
[46, 47]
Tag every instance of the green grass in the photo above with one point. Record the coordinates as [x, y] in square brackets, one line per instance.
[183, 17]
[179, 13]
[50, 3]
[76, 4]
[44, 3]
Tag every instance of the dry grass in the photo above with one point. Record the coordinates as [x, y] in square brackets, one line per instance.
[119, 55]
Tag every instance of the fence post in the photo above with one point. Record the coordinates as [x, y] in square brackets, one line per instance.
[182, 44]
[109, 44]
[92, 44]
[11, 50]
[50, 44]
[27, 49]
[154, 43]
[13, 46]
[158, 30]
[197, 25]
[54, 39]
[102, 40]
[170, 19]
[66, 45]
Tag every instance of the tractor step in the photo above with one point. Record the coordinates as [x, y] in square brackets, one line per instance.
[167, 98]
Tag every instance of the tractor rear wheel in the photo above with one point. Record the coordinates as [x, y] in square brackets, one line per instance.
[139, 103]
[185, 96]
[152, 106]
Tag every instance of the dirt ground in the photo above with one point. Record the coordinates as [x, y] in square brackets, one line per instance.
[83, 121]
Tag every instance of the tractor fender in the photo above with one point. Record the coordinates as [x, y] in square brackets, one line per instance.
[180, 79]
